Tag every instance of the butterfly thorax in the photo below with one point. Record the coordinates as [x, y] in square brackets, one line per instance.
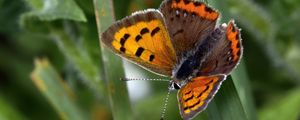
[185, 70]
[190, 66]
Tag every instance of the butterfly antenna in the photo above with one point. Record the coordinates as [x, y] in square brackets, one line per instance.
[144, 79]
[165, 105]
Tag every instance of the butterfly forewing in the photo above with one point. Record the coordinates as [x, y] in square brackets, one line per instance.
[188, 22]
[196, 94]
[143, 39]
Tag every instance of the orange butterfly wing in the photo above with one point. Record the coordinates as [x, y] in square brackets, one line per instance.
[197, 93]
[226, 54]
[143, 39]
[188, 22]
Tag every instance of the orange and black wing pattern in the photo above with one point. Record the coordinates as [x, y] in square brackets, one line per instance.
[188, 22]
[196, 94]
[143, 39]
[225, 53]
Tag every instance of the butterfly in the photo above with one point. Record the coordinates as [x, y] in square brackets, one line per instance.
[180, 40]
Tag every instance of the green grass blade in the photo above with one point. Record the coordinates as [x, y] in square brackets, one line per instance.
[81, 60]
[75, 53]
[227, 104]
[56, 91]
[243, 87]
[8, 112]
[287, 107]
[117, 90]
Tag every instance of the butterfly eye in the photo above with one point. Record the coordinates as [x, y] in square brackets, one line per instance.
[174, 86]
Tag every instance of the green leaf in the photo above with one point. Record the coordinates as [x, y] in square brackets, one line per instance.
[243, 88]
[56, 91]
[286, 107]
[112, 65]
[227, 104]
[49, 10]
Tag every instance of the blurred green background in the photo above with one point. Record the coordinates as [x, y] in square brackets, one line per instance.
[52, 66]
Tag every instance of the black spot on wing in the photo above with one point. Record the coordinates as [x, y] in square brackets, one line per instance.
[188, 99]
[212, 80]
[199, 95]
[229, 44]
[122, 49]
[139, 51]
[126, 36]
[208, 9]
[188, 92]
[233, 29]
[138, 38]
[144, 31]
[207, 87]
[154, 31]
[197, 3]
[198, 102]
[151, 58]
[237, 36]
[123, 40]
[185, 108]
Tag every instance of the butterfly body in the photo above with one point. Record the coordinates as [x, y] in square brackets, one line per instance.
[181, 41]
[190, 65]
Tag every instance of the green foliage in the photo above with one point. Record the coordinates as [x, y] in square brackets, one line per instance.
[7, 112]
[112, 65]
[82, 81]
[56, 91]
[227, 104]
[286, 107]
[49, 10]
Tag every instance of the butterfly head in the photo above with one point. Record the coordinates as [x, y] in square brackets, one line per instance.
[174, 85]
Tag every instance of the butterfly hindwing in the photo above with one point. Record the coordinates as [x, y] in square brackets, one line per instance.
[143, 39]
[197, 93]
[188, 22]
[226, 51]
